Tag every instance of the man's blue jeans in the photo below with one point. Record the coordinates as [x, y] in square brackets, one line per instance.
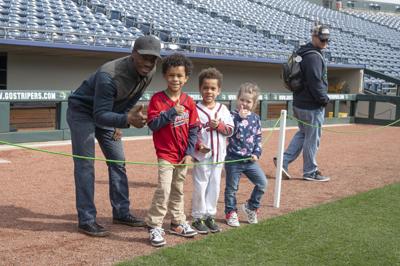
[83, 133]
[307, 139]
[256, 175]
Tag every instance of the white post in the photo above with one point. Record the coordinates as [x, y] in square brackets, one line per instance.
[281, 146]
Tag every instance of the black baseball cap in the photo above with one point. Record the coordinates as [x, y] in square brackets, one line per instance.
[147, 45]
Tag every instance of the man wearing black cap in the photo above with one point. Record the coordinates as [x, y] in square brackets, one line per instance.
[102, 105]
[309, 106]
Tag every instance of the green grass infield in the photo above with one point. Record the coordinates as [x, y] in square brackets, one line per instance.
[359, 230]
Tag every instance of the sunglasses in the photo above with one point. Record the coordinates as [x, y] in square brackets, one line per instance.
[325, 40]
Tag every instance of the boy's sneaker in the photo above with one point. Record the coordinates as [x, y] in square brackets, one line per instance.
[157, 237]
[199, 225]
[232, 219]
[316, 176]
[182, 230]
[285, 173]
[212, 225]
[250, 214]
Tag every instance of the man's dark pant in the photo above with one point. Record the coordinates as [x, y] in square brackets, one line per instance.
[83, 134]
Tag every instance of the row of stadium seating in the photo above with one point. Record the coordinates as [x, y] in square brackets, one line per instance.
[341, 21]
[180, 24]
[293, 21]
[63, 21]
[354, 40]
[251, 28]
[379, 86]
[382, 18]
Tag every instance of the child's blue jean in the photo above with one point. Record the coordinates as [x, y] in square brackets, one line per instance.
[254, 173]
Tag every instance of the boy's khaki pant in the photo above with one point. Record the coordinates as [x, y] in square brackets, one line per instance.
[168, 195]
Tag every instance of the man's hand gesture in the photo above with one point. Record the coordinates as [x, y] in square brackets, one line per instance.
[136, 117]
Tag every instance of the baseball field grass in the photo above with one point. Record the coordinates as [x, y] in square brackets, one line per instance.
[359, 230]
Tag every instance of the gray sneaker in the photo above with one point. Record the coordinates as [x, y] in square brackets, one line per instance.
[285, 173]
[156, 236]
[212, 225]
[200, 226]
[250, 214]
[183, 229]
[316, 176]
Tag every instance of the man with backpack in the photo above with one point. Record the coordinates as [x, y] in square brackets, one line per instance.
[309, 101]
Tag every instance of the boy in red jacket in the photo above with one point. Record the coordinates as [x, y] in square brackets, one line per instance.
[173, 118]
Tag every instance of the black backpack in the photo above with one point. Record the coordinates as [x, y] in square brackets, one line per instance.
[291, 71]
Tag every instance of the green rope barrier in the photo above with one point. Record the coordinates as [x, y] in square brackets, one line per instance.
[344, 132]
[270, 132]
[128, 162]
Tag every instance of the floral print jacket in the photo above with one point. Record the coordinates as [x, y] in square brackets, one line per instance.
[246, 139]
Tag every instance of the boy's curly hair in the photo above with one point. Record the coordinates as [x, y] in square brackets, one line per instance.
[176, 60]
[210, 73]
[250, 88]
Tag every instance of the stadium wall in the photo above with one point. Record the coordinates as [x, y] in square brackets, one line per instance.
[57, 69]
[58, 72]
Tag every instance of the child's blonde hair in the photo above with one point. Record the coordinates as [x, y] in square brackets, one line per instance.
[250, 88]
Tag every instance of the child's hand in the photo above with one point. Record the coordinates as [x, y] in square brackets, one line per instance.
[204, 149]
[254, 158]
[179, 108]
[117, 134]
[136, 117]
[186, 160]
[215, 122]
[243, 113]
